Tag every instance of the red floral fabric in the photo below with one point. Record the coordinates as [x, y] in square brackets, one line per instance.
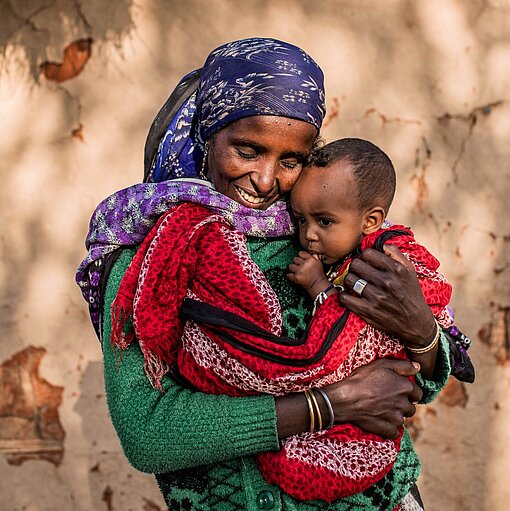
[193, 253]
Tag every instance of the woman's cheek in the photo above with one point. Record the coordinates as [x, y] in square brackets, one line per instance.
[288, 180]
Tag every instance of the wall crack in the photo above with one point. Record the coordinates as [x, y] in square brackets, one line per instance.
[470, 119]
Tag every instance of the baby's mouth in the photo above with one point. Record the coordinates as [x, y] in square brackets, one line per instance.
[316, 255]
[250, 198]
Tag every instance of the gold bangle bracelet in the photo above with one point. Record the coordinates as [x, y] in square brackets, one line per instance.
[431, 345]
[310, 409]
[317, 409]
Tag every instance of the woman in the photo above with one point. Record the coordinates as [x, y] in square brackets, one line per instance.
[251, 126]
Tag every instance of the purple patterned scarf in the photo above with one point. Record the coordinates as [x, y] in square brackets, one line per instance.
[126, 217]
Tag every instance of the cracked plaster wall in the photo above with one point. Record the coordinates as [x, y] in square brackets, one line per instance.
[428, 81]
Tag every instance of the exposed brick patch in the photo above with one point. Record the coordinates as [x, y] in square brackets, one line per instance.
[30, 428]
[76, 56]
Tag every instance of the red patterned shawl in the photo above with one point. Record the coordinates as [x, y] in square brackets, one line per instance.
[192, 253]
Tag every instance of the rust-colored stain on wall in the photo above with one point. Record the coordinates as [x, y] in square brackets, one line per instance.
[454, 394]
[496, 335]
[30, 428]
[107, 498]
[76, 56]
[414, 424]
[149, 505]
[333, 112]
[78, 132]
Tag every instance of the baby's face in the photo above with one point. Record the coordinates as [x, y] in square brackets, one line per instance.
[324, 203]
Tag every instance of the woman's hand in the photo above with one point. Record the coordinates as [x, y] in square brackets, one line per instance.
[392, 300]
[376, 397]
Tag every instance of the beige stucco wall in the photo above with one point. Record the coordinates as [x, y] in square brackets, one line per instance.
[427, 80]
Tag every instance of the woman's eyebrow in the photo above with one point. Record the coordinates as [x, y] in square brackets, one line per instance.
[297, 154]
[248, 143]
[261, 148]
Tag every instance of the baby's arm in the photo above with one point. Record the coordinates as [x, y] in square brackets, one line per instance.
[307, 271]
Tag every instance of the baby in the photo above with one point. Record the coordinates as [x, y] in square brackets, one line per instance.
[341, 197]
[340, 202]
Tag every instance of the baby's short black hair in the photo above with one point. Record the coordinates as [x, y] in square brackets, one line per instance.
[373, 169]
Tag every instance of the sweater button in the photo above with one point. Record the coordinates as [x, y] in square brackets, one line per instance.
[265, 500]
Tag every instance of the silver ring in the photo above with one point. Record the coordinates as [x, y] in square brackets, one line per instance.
[359, 285]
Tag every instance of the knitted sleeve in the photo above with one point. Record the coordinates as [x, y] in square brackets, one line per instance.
[161, 432]
[442, 370]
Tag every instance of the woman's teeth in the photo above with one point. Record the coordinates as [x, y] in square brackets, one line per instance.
[250, 198]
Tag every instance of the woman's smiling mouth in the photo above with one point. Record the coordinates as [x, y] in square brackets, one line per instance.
[251, 199]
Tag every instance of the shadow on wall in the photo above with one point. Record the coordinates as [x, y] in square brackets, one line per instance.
[439, 147]
[41, 29]
[107, 484]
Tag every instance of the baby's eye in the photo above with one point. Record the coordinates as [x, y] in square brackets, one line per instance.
[325, 222]
[300, 220]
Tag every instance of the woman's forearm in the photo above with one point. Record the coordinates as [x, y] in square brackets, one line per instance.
[427, 359]
[179, 428]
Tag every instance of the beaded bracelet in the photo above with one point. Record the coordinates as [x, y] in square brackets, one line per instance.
[321, 297]
[431, 345]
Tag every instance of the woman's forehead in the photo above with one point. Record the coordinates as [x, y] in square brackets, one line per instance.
[267, 129]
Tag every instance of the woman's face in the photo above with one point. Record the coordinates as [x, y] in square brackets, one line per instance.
[257, 160]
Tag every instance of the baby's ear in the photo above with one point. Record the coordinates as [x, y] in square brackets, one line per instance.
[373, 219]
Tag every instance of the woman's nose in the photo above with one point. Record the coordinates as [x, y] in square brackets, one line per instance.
[265, 178]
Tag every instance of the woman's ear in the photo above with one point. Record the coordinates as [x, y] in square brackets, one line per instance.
[373, 219]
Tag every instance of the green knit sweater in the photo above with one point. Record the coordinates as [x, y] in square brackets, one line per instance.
[202, 447]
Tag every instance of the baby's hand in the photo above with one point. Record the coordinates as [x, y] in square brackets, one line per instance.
[306, 270]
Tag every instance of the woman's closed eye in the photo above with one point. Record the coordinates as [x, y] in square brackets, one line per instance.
[248, 153]
[292, 164]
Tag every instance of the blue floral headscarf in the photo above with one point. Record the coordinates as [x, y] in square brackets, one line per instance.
[257, 76]
[239, 79]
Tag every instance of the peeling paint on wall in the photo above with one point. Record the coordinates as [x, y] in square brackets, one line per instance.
[76, 55]
[454, 394]
[30, 428]
[414, 424]
[496, 335]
